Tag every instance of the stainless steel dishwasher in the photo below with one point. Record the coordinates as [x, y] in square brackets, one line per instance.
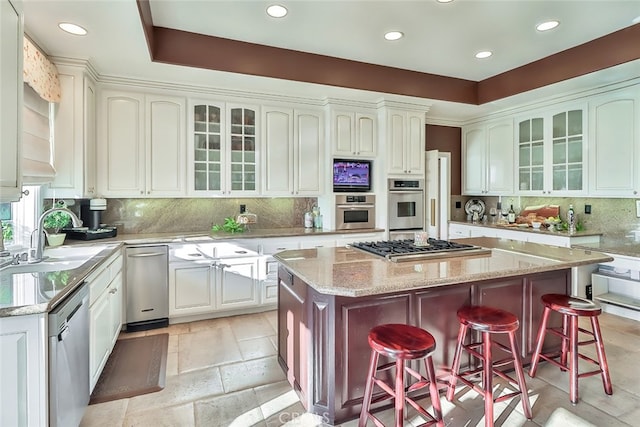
[147, 283]
[69, 359]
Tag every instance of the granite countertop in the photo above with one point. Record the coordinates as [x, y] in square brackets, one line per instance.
[616, 244]
[176, 237]
[35, 293]
[542, 230]
[350, 272]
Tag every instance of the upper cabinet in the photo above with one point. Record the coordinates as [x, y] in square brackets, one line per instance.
[552, 153]
[141, 145]
[353, 133]
[487, 156]
[614, 129]
[293, 147]
[74, 155]
[405, 142]
[223, 156]
[10, 101]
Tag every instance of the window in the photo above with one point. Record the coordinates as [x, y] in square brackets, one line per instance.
[19, 219]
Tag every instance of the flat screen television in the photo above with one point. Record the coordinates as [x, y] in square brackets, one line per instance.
[351, 176]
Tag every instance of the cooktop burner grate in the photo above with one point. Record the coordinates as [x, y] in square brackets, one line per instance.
[396, 250]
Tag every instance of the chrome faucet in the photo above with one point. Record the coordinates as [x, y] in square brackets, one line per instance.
[39, 245]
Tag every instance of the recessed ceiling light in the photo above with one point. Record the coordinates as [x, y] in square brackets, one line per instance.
[393, 35]
[484, 54]
[444, 1]
[546, 26]
[72, 28]
[277, 11]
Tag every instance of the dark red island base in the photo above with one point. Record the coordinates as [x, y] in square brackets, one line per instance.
[322, 337]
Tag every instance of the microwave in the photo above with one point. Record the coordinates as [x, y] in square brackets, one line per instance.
[355, 211]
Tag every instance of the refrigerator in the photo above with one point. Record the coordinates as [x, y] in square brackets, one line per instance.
[437, 194]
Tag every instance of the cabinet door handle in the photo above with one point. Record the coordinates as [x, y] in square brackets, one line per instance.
[113, 291]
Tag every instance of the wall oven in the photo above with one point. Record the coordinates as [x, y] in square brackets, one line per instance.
[406, 205]
[355, 211]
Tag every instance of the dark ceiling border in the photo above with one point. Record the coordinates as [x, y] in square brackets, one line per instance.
[184, 48]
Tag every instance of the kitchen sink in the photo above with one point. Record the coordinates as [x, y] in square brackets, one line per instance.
[57, 259]
[44, 266]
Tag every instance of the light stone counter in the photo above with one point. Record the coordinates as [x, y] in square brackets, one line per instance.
[351, 272]
[541, 230]
[34, 293]
[254, 233]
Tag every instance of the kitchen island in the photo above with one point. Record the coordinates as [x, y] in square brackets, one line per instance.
[329, 299]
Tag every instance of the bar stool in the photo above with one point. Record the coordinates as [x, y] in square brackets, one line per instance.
[571, 308]
[402, 343]
[488, 321]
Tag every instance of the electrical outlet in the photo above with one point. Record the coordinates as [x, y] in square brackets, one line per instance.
[638, 208]
[459, 204]
[587, 209]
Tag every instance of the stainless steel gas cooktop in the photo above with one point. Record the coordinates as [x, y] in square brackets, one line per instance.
[406, 250]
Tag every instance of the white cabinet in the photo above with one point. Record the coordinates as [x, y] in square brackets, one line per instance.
[74, 148]
[10, 101]
[457, 231]
[105, 314]
[552, 152]
[23, 384]
[191, 288]
[141, 145]
[237, 283]
[405, 142]
[614, 144]
[348, 238]
[223, 149]
[269, 286]
[353, 133]
[293, 147]
[487, 158]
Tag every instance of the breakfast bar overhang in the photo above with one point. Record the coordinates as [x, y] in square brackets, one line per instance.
[329, 299]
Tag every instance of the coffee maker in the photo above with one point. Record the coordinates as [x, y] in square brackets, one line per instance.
[91, 216]
[91, 212]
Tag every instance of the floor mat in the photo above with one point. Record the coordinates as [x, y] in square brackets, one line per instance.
[136, 366]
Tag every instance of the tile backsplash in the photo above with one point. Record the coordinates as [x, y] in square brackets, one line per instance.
[198, 215]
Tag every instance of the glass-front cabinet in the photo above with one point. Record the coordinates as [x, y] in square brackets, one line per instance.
[243, 149]
[223, 154]
[552, 153]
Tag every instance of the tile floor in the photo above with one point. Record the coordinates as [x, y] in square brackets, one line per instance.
[224, 372]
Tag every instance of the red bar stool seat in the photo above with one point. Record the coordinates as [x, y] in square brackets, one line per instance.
[402, 343]
[488, 321]
[571, 308]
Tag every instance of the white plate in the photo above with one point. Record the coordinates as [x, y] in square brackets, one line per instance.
[474, 205]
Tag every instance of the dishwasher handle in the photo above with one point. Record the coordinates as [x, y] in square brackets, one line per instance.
[146, 254]
[64, 330]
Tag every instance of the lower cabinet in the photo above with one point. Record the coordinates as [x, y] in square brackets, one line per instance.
[269, 285]
[237, 283]
[191, 289]
[207, 287]
[23, 384]
[105, 314]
